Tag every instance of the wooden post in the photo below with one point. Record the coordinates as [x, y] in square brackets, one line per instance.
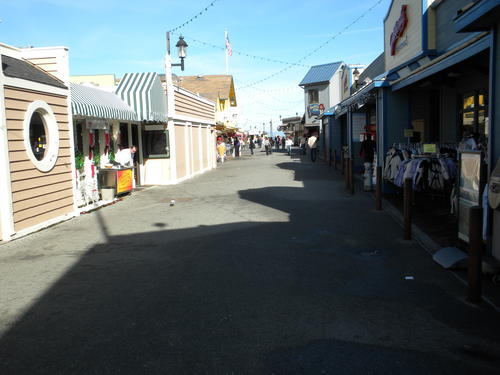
[342, 162]
[378, 189]
[351, 175]
[346, 173]
[407, 208]
[335, 159]
[475, 254]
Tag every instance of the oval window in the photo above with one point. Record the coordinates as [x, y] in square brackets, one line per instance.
[38, 136]
[41, 135]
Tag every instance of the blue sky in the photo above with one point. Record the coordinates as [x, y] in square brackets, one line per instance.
[119, 36]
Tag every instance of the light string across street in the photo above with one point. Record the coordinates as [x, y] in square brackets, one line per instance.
[314, 50]
[194, 17]
[262, 58]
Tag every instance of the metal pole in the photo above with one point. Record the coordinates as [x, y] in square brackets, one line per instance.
[407, 208]
[378, 190]
[475, 254]
[168, 42]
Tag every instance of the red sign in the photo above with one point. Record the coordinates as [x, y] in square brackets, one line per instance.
[399, 29]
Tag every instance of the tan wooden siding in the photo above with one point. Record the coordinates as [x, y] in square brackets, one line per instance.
[49, 64]
[188, 106]
[196, 149]
[37, 196]
[180, 151]
[204, 150]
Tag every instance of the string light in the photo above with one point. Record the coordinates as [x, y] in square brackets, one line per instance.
[195, 16]
[314, 50]
[262, 58]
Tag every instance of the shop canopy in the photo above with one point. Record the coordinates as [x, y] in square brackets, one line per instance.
[92, 102]
[144, 93]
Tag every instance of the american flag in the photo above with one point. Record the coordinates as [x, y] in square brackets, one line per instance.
[228, 46]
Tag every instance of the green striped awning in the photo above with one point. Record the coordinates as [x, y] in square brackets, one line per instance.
[144, 93]
[92, 102]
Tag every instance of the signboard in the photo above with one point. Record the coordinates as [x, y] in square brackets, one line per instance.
[469, 188]
[96, 124]
[408, 133]
[430, 148]
[399, 29]
[124, 181]
[315, 109]
[154, 127]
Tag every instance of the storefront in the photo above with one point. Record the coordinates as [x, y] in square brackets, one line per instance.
[434, 104]
[36, 157]
[143, 92]
[176, 144]
[101, 124]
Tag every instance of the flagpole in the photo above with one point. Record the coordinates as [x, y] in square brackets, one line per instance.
[227, 53]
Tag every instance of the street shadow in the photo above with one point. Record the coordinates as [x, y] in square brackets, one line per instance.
[282, 297]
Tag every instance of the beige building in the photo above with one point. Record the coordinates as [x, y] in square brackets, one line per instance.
[37, 188]
[217, 88]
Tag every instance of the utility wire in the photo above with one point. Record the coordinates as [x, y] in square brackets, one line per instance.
[195, 16]
[314, 50]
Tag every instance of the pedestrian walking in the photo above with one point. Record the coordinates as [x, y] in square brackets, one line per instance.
[259, 141]
[267, 145]
[312, 142]
[251, 146]
[283, 142]
[289, 144]
[237, 147]
[221, 150]
[303, 142]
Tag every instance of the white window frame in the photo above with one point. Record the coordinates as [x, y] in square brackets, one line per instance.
[49, 119]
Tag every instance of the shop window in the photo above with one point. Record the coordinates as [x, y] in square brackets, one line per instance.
[474, 115]
[156, 144]
[313, 96]
[38, 136]
[41, 135]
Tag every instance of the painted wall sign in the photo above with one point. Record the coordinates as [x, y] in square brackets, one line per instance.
[399, 29]
[315, 109]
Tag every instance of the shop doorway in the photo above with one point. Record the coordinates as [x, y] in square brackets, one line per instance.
[135, 142]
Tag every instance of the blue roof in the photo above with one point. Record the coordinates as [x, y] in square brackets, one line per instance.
[320, 73]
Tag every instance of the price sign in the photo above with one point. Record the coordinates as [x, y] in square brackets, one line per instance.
[430, 148]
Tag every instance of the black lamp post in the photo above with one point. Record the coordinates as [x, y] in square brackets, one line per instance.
[181, 49]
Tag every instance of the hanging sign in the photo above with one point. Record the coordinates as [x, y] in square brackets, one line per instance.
[399, 29]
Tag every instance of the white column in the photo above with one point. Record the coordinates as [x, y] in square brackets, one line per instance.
[187, 128]
[200, 148]
[6, 215]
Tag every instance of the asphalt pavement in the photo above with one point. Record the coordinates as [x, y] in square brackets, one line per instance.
[263, 266]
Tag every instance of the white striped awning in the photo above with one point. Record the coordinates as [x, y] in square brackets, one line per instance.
[144, 93]
[92, 102]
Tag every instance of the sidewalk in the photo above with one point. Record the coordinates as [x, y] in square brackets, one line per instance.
[265, 265]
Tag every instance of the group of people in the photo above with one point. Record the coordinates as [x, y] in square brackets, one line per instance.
[233, 146]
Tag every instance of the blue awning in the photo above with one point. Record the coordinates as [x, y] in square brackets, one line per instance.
[445, 61]
[92, 102]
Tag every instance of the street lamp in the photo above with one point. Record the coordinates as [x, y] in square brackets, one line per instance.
[181, 49]
[355, 76]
